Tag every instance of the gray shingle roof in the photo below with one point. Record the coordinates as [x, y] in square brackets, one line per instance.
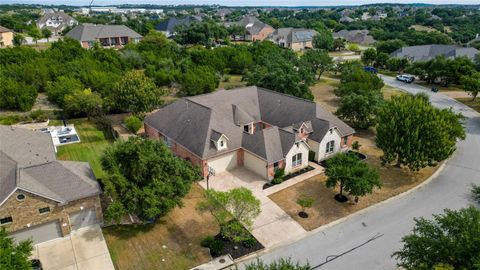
[428, 52]
[4, 29]
[292, 35]
[355, 36]
[190, 121]
[28, 162]
[92, 32]
[171, 23]
[252, 24]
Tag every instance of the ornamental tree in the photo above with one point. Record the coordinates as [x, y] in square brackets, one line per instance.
[13, 255]
[415, 134]
[144, 178]
[352, 175]
[451, 240]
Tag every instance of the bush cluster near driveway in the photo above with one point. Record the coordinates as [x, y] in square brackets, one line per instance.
[90, 148]
[172, 242]
[325, 209]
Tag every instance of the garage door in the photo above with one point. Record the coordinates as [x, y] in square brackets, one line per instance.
[83, 218]
[40, 233]
[223, 163]
[255, 164]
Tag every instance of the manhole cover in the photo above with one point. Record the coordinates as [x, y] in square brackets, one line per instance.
[222, 260]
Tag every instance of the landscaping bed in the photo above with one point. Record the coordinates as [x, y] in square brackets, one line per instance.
[238, 250]
[172, 242]
[289, 176]
[326, 209]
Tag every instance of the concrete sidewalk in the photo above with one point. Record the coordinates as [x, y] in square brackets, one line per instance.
[83, 249]
[273, 226]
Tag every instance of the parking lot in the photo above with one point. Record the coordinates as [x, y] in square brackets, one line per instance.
[84, 249]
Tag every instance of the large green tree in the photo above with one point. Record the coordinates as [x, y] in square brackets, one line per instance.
[144, 178]
[413, 132]
[83, 102]
[198, 80]
[15, 95]
[360, 110]
[323, 40]
[13, 255]
[355, 80]
[352, 175]
[64, 85]
[317, 61]
[451, 240]
[135, 93]
[471, 84]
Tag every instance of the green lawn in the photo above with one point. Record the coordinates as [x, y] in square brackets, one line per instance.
[234, 81]
[90, 148]
[472, 104]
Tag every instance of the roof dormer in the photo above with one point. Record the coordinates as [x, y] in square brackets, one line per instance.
[220, 140]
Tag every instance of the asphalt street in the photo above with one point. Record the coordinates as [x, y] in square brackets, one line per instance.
[367, 241]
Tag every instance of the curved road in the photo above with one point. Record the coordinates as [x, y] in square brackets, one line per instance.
[386, 223]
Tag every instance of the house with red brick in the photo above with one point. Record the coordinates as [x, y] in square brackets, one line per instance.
[254, 29]
[259, 129]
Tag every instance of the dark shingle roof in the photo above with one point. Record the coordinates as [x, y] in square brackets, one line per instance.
[293, 35]
[192, 121]
[171, 23]
[92, 32]
[355, 36]
[4, 29]
[28, 162]
[252, 24]
[428, 52]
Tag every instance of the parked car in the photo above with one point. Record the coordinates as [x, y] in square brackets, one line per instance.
[370, 69]
[405, 78]
[36, 264]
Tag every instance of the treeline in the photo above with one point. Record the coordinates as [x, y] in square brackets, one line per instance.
[84, 82]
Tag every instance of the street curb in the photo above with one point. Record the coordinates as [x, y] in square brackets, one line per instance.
[338, 221]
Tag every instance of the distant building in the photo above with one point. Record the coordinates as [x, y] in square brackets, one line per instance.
[56, 22]
[115, 10]
[346, 19]
[429, 52]
[169, 26]
[296, 39]
[222, 13]
[355, 36]
[114, 36]
[6, 37]
[254, 28]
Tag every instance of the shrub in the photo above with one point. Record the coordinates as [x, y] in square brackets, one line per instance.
[207, 241]
[356, 145]
[133, 123]
[13, 119]
[216, 248]
[476, 192]
[277, 181]
[249, 242]
[40, 115]
[234, 231]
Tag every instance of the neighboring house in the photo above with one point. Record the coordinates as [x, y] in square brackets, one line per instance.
[223, 12]
[355, 36]
[169, 26]
[254, 28]
[296, 39]
[115, 36]
[346, 19]
[40, 197]
[6, 37]
[56, 22]
[428, 52]
[256, 128]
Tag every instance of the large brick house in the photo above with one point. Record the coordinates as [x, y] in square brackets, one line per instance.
[256, 128]
[106, 35]
[297, 39]
[254, 29]
[40, 197]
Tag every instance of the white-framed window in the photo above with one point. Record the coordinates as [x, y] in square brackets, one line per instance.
[276, 166]
[6, 220]
[330, 147]
[168, 141]
[297, 160]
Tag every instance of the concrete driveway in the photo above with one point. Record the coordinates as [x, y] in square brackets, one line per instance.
[367, 240]
[273, 226]
[84, 249]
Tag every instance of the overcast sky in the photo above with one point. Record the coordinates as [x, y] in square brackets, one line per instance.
[237, 2]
